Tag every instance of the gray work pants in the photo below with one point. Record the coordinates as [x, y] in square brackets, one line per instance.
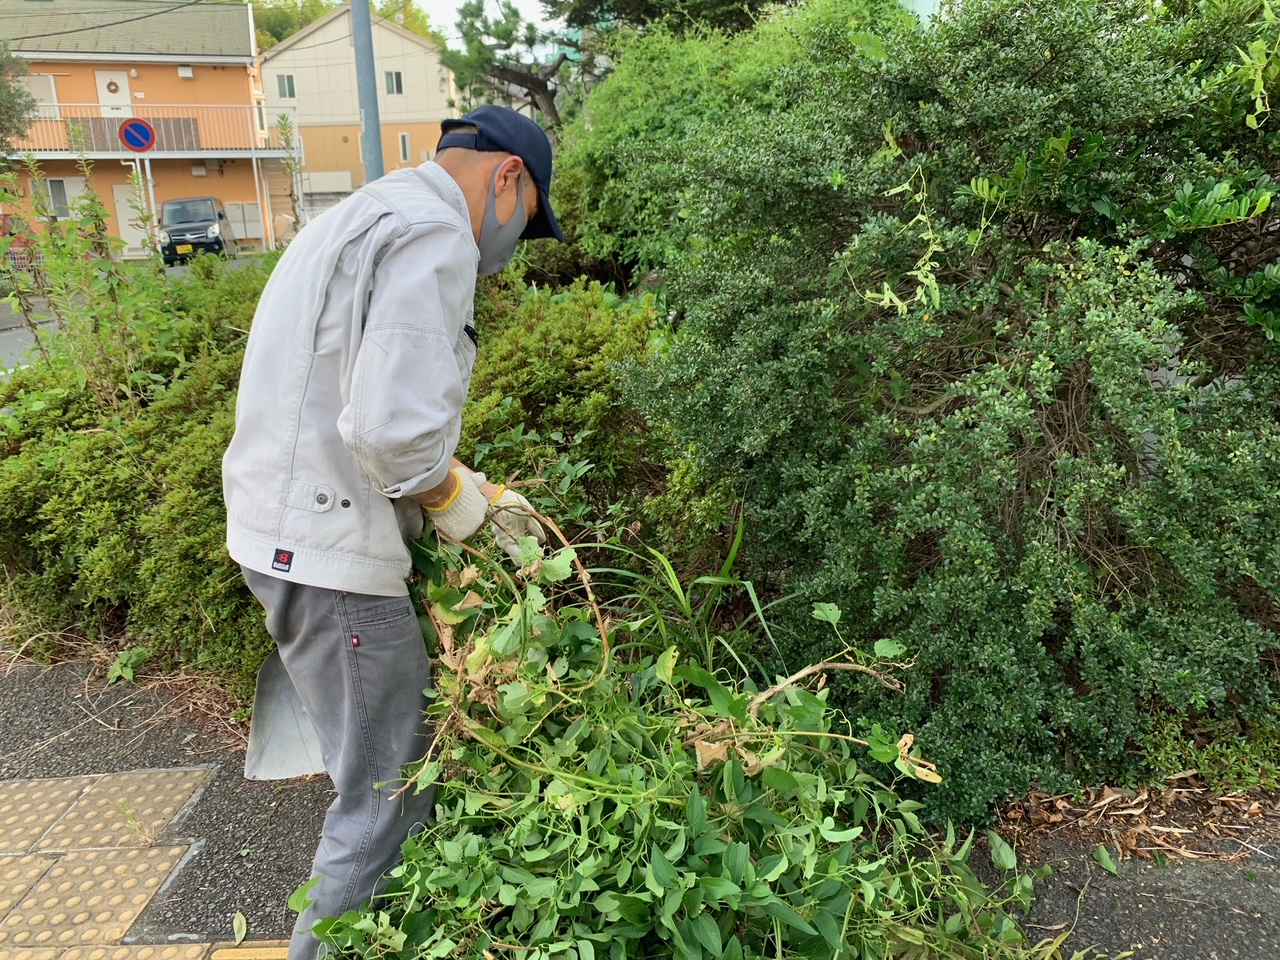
[360, 667]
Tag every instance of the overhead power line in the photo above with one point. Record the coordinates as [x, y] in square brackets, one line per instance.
[112, 23]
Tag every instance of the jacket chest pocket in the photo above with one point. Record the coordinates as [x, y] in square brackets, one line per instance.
[464, 350]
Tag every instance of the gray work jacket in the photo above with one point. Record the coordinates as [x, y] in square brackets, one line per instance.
[357, 367]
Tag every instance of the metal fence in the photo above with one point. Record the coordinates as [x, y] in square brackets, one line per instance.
[94, 128]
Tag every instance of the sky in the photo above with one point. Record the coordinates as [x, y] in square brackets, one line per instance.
[444, 13]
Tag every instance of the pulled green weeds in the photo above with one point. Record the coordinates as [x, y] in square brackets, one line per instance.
[600, 796]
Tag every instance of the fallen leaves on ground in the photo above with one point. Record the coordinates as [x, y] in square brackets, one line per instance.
[1184, 818]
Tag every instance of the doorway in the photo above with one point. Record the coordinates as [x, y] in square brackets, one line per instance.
[113, 93]
[134, 238]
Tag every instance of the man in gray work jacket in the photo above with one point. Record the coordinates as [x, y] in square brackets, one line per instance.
[350, 407]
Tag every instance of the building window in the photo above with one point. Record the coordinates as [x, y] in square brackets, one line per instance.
[43, 88]
[58, 198]
[395, 82]
[284, 81]
[404, 148]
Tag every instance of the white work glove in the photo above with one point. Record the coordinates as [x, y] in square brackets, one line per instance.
[463, 513]
[512, 518]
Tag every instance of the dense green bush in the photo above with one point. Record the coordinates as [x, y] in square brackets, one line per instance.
[975, 322]
[111, 515]
[619, 174]
[545, 396]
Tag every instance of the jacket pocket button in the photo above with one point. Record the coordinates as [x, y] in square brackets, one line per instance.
[322, 498]
[346, 503]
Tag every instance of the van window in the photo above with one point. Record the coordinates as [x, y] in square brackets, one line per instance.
[187, 211]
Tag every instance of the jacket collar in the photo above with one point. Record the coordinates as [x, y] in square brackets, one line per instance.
[446, 187]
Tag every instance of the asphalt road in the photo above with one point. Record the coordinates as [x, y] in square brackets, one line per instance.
[14, 347]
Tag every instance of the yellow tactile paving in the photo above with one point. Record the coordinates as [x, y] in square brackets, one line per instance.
[263, 950]
[31, 953]
[28, 808]
[154, 951]
[17, 876]
[123, 810]
[88, 897]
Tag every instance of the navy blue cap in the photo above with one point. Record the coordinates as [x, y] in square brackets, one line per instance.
[501, 128]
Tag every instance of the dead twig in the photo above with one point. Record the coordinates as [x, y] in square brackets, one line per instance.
[891, 683]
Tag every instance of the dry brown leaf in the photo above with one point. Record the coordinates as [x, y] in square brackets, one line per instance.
[1129, 811]
[470, 601]
[711, 753]
[470, 574]
[751, 763]
[923, 770]
[446, 646]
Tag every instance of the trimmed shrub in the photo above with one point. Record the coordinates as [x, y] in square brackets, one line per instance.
[111, 515]
[975, 322]
[545, 389]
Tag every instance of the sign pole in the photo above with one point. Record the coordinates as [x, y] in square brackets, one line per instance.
[139, 137]
[151, 195]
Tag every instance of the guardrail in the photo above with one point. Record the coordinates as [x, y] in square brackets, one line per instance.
[93, 128]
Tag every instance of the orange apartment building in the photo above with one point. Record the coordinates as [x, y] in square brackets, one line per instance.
[189, 69]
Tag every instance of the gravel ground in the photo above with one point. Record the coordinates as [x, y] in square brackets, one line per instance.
[252, 841]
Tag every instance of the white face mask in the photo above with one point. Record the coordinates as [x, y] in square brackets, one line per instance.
[498, 241]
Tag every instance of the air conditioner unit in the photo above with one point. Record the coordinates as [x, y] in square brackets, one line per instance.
[186, 71]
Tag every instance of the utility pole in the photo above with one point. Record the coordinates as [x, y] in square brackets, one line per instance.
[367, 85]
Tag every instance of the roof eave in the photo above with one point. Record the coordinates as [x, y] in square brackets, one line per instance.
[314, 27]
[63, 55]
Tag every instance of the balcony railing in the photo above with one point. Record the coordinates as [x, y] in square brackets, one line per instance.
[94, 128]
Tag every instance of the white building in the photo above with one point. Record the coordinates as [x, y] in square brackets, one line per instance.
[313, 73]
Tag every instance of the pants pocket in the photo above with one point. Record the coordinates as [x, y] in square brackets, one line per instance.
[365, 611]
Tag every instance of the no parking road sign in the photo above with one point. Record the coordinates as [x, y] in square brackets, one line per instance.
[137, 135]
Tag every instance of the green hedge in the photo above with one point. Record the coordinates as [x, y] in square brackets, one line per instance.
[545, 397]
[619, 176]
[975, 321]
[111, 518]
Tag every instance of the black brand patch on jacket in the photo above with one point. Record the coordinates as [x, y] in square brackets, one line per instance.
[283, 560]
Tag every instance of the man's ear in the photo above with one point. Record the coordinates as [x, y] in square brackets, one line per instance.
[509, 172]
